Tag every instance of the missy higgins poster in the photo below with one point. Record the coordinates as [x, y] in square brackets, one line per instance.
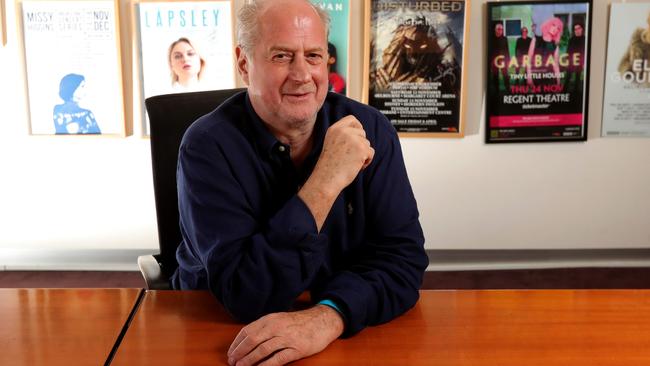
[73, 67]
[415, 62]
[537, 71]
[185, 47]
[338, 43]
[626, 109]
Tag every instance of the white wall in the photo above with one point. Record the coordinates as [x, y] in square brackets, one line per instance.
[85, 193]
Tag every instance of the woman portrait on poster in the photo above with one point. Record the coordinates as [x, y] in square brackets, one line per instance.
[336, 81]
[69, 117]
[636, 59]
[548, 45]
[186, 66]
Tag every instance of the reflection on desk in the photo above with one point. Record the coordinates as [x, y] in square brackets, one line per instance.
[536, 327]
[61, 327]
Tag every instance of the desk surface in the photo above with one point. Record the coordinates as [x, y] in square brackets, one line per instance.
[535, 327]
[61, 327]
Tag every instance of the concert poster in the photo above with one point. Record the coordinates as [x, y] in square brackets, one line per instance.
[3, 24]
[185, 46]
[337, 43]
[73, 67]
[414, 60]
[626, 107]
[537, 71]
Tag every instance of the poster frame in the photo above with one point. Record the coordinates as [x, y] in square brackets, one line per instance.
[613, 62]
[123, 127]
[348, 38]
[3, 23]
[464, 71]
[138, 51]
[489, 107]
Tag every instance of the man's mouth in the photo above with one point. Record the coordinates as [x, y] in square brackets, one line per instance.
[298, 94]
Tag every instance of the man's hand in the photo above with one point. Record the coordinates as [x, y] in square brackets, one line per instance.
[346, 151]
[280, 338]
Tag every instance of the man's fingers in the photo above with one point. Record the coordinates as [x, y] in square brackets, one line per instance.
[350, 121]
[282, 358]
[262, 351]
[238, 339]
[243, 346]
[368, 160]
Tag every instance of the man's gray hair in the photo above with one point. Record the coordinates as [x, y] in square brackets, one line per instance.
[248, 23]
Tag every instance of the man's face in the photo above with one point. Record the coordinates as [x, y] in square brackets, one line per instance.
[577, 30]
[524, 33]
[498, 30]
[286, 72]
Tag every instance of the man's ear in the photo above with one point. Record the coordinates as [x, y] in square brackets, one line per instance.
[242, 64]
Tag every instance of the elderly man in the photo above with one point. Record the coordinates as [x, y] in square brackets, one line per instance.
[286, 189]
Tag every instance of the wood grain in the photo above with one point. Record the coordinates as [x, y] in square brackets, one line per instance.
[489, 327]
[61, 327]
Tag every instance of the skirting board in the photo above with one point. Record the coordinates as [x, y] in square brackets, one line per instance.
[439, 260]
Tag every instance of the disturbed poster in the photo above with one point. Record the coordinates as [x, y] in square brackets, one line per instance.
[415, 64]
[537, 76]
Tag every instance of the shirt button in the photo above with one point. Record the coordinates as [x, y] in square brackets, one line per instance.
[281, 148]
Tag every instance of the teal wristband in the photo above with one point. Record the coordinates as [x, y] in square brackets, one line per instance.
[331, 304]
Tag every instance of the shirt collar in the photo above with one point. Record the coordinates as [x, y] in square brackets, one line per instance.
[261, 135]
[267, 142]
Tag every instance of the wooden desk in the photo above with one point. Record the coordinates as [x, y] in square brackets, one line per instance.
[547, 327]
[61, 327]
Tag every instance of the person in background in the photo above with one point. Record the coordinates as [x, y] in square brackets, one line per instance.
[287, 189]
[499, 50]
[69, 117]
[336, 81]
[547, 46]
[576, 51]
[521, 52]
[186, 66]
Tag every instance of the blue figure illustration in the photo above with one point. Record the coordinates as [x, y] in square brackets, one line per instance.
[69, 118]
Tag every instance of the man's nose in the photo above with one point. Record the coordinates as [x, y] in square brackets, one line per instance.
[299, 71]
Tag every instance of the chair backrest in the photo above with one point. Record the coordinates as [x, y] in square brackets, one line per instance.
[169, 116]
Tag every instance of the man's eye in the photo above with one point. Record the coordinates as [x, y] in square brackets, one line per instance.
[423, 46]
[315, 57]
[282, 57]
[407, 46]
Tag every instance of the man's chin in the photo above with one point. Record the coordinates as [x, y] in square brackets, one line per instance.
[297, 118]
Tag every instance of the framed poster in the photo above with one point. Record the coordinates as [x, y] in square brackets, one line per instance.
[414, 60]
[74, 74]
[626, 107]
[3, 24]
[338, 43]
[185, 46]
[537, 71]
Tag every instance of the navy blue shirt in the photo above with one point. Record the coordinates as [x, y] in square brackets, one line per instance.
[250, 240]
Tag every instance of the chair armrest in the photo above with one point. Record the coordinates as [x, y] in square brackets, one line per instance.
[153, 276]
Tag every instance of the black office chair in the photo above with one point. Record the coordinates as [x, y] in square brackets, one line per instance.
[169, 116]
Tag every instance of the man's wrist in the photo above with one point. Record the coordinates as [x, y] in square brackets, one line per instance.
[332, 305]
[337, 319]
